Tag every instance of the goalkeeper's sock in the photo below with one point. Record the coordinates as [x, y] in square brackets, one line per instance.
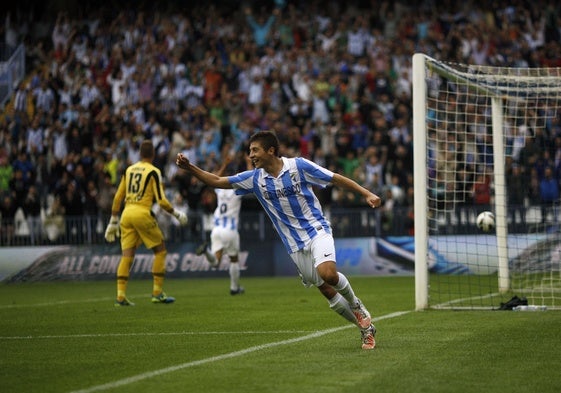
[342, 307]
[345, 289]
[234, 276]
[158, 272]
[123, 277]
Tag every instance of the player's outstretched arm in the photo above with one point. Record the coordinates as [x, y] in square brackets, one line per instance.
[208, 178]
[341, 181]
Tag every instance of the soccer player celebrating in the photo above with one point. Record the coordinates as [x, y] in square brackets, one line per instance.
[283, 186]
[139, 187]
[224, 236]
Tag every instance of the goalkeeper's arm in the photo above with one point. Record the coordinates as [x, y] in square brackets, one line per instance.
[113, 230]
[178, 214]
[181, 217]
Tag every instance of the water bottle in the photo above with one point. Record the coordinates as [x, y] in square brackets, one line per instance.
[529, 308]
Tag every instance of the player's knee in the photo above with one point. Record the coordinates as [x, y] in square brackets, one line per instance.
[330, 277]
[328, 273]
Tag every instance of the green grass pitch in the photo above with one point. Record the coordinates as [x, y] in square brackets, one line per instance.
[277, 337]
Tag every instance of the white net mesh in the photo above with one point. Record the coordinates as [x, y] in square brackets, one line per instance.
[464, 180]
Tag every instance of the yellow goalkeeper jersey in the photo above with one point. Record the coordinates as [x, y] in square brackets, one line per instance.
[141, 186]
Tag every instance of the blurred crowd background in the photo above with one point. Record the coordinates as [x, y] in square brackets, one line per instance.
[332, 78]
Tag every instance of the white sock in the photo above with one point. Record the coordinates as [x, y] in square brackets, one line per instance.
[345, 289]
[234, 275]
[340, 305]
[211, 258]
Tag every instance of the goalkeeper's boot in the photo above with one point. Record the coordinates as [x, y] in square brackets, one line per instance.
[162, 298]
[201, 249]
[368, 340]
[362, 315]
[124, 302]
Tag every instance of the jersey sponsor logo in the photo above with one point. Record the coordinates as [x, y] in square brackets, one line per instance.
[285, 192]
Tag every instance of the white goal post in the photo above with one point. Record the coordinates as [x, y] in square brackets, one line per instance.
[483, 137]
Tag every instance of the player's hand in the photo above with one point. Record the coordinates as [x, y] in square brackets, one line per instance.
[182, 161]
[112, 231]
[373, 200]
[181, 217]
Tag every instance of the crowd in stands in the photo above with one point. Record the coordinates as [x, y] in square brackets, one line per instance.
[332, 78]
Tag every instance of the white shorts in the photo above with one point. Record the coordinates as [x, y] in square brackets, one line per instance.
[226, 240]
[321, 249]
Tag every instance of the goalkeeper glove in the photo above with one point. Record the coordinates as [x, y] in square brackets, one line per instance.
[181, 217]
[112, 231]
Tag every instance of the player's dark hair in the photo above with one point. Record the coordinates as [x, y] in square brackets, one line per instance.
[146, 149]
[267, 139]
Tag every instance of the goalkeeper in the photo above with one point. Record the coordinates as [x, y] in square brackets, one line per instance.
[139, 188]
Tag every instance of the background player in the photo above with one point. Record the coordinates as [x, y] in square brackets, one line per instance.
[224, 236]
[284, 187]
[139, 188]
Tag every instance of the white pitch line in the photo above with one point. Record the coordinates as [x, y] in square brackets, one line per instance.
[103, 335]
[61, 302]
[151, 374]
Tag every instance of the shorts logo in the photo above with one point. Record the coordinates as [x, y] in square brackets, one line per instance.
[326, 255]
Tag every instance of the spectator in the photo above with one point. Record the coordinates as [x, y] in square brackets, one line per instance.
[61, 34]
[6, 173]
[88, 93]
[72, 200]
[7, 220]
[20, 100]
[54, 223]
[481, 192]
[24, 164]
[35, 137]
[549, 195]
[106, 191]
[464, 195]
[517, 192]
[162, 144]
[32, 210]
[44, 98]
[349, 163]
[261, 27]
[91, 200]
[19, 187]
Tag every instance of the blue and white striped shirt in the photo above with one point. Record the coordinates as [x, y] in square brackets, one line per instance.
[227, 212]
[289, 199]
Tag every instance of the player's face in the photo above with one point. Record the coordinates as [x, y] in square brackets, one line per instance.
[258, 156]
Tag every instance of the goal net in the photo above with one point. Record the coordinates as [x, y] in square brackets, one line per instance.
[486, 139]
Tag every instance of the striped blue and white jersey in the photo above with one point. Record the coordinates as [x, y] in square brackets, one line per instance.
[227, 212]
[289, 199]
